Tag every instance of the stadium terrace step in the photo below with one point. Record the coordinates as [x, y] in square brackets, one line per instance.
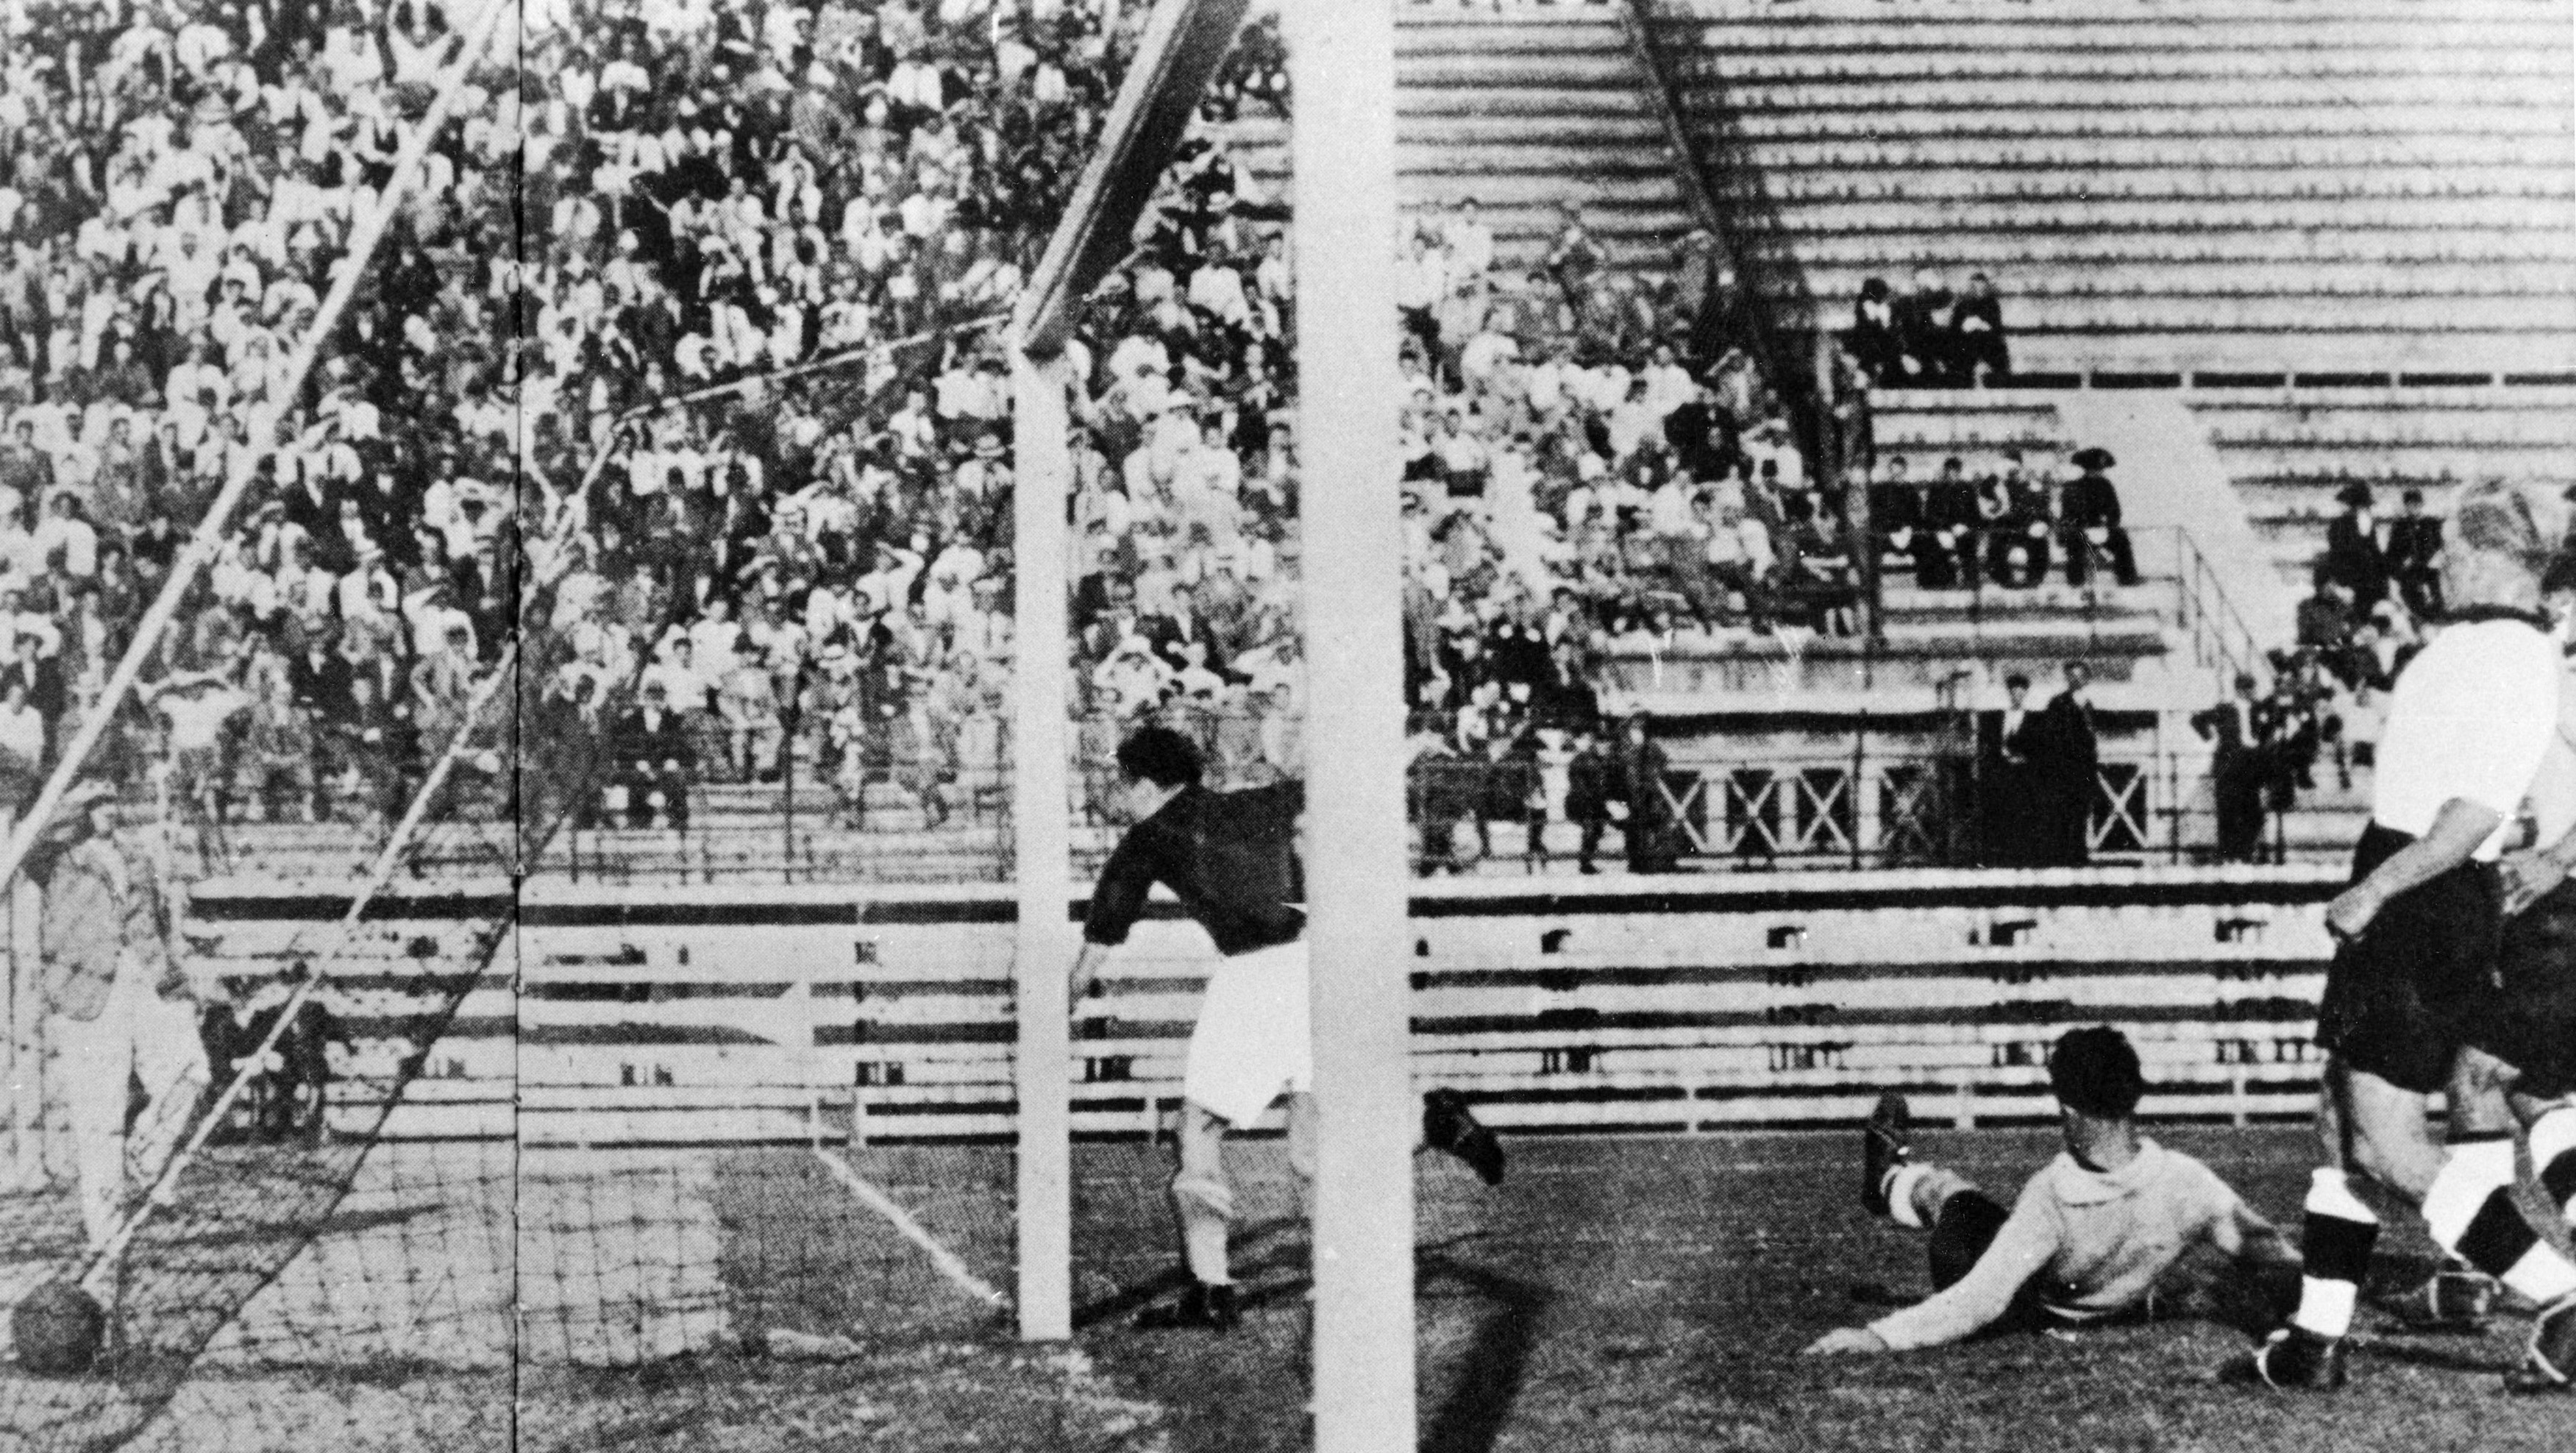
[1903, 120]
[2168, 186]
[2291, 454]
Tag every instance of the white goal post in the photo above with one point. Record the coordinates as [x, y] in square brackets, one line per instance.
[1342, 78]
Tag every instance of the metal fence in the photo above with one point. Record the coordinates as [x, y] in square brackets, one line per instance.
[892, 809]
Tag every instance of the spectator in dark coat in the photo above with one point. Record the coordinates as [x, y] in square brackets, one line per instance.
[2069, 758]
[2016, 514]
[1923, 332]
[2414, 539]
[1952, 524]
[1649, 828]
[1872, 339]
[1566, 700]
[2008, 779]
[2353, 553]
[2238, 768]
[655, 761]
[2089, 516]
[1896, 516]
[1977, 344]
[1592, 785]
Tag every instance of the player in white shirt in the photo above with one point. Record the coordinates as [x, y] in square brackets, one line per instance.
[2412, 981]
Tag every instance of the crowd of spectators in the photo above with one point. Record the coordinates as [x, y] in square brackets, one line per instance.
[178, 183]
[633, 202]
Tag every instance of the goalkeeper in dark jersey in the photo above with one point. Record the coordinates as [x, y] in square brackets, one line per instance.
[1230, 857]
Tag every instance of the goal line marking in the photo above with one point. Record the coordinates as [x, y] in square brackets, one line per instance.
[948, 1262]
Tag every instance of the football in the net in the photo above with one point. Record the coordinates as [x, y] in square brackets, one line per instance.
[57, 1330]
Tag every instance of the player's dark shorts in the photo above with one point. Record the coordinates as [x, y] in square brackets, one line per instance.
[2533, 1026]
[2402, 998]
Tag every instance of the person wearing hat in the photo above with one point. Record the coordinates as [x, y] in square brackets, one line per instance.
[2353, 553]
[2089, 521]
[115, 1003]
[2412, 551]
[2008, 779]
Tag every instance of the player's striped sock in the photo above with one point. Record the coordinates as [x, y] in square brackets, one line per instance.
[2553, 1155]
[1901, 1182]
[2335, 1239]
[2470, 1210]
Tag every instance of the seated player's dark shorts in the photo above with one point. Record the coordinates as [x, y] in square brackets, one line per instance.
[2533, 1023]
[2402, 998]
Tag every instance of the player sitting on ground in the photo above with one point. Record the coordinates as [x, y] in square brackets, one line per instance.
[2092, 1234]
[1230, 857]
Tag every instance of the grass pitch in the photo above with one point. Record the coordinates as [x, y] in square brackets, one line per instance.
[1627, 1294]
[1617, 1295]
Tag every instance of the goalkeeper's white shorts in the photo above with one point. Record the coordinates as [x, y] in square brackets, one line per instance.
[1252, 1043]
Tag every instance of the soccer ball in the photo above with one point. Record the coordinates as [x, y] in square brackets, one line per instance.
[57, 1330]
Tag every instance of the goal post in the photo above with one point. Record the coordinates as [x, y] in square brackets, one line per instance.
[1341, 59]
[1184, 42]
[1041, 846]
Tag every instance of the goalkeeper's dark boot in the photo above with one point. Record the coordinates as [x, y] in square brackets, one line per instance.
[2550, 1366]
[2453, 1299]
[1448, 1125]
[1883, 1148]
[2293, 1359]
[1203, 1305]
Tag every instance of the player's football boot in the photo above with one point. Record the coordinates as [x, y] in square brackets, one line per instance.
[1883, 1148]
[1206, 1306]
[2550, 1366]
[2453, 1299]
[1448, 1125]
[2292, 1359]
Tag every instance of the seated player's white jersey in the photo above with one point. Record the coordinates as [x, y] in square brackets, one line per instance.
[2097, 1239]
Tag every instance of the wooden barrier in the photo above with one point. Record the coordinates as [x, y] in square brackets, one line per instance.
[1673, 1004]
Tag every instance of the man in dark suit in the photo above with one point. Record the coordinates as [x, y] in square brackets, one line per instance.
[1872, 339]
[1649, 829]
[1951, 523]
[1977, 326]
[1592, 784]
[2069, 757]
[2414, 539]
[2237, 769]
[2089, 520]
[2008, 779]
[2016, 514]
[319, 677]
[1896, 517]
[2353, 553]
[654, 761]
[1923, 322]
